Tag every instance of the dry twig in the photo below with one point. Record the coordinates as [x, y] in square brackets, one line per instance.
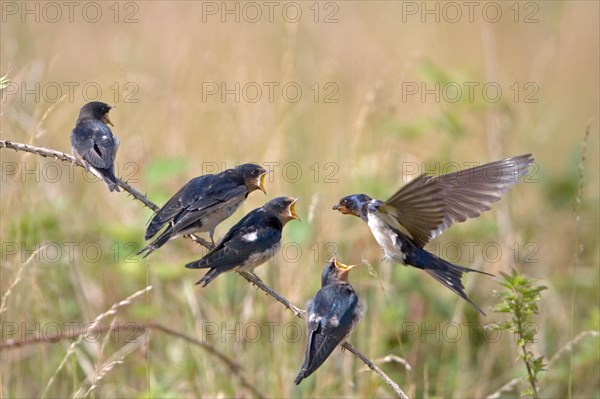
[46, 152]
[235, 368]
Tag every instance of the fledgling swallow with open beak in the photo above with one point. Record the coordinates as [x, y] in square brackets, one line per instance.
[425, 207]
[251, 242]
[330, 317]
[203, 203]
[93, 143]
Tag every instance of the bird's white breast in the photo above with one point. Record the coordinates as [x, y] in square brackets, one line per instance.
[213, 219]
[385, 237]
[258, 258]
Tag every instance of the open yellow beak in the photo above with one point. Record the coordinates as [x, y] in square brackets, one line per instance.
[261, 182]
[108, 121]
[293, 210]
[343, 269]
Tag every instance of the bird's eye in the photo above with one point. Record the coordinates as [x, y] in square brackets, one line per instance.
[282, 205]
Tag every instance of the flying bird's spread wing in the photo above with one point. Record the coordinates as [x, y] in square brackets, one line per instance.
[428, 205]
[332, 315]
[416, 209]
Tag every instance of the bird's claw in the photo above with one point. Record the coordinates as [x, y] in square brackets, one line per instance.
[203, 242]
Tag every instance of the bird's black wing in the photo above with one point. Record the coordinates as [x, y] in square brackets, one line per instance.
[174, 205]
[254, 234]
[428, 205]
[331, 316]
[94, 142]
[199, 197]
[212, 202]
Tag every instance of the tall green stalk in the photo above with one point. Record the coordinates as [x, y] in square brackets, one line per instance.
[519, 299]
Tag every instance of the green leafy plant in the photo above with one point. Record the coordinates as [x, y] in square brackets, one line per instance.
[519, 298]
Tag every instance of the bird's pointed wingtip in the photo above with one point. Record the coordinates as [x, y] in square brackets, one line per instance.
[525, 159]
[299, 379]
[146, 251]
[204, 282]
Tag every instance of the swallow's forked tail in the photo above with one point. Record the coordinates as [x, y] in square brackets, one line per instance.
[159, 242]
[449, 274]
[111, 181]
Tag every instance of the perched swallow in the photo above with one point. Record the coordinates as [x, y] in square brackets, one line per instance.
[251, 242]
[331, 316]
[203, 203]
[94, 144]
[425, 207]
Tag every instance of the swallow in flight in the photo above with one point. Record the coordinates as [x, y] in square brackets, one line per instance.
[425, 207]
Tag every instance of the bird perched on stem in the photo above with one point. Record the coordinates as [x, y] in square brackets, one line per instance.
[93, 143]
[251, 242]
[203, 203]
[425, 207]
[331, 316]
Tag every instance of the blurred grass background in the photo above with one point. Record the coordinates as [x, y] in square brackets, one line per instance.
[363, 142]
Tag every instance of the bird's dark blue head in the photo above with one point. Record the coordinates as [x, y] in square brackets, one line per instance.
[253, 175]
[334, 272]
[284, 208]
[96, 110]
[354, 204]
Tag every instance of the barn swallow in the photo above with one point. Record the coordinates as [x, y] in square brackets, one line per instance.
[203, 203]
[425, 207]
[331, 316]
[93, 143]
[251, 242]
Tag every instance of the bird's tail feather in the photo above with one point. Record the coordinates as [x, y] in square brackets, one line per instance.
[110, 180]
[154, 227]
[208, 277]
[106, 175]
[154, 245]
[318, 349]
[299, 378]
[448, 274]
[198, 264]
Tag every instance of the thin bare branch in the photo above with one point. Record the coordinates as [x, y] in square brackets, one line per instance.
[113, 310]
[61, 156]
[233, 366]
[578, 248]
[347, 345]
[252, 278]
[17, 278]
